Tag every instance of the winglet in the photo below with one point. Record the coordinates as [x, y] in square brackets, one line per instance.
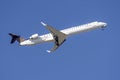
[48, 51]
[43, 23]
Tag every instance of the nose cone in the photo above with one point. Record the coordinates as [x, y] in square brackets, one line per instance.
[105, 24]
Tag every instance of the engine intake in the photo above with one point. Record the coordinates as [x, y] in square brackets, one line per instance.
[34, 36]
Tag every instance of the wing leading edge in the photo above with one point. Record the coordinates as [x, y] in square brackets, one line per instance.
[58, 36]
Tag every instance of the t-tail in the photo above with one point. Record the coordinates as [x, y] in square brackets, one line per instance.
[16, 38]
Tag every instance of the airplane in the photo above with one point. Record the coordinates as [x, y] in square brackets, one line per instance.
[56, 36]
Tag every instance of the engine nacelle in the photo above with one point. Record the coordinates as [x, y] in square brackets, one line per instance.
[34, 36]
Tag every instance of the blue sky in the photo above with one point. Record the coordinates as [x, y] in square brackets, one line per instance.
[92, 55]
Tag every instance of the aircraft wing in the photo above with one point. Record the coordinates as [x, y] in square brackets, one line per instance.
[58, 36]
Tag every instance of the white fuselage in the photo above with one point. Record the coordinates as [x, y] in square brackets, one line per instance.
[69, 31]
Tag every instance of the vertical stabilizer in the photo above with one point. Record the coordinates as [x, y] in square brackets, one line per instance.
[16, 38]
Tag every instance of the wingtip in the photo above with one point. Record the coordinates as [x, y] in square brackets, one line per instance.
[48, 51]
[43, 23]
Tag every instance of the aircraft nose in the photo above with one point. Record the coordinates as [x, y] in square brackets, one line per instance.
[105, 24]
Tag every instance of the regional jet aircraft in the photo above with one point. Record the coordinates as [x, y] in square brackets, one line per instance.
[56, 36]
